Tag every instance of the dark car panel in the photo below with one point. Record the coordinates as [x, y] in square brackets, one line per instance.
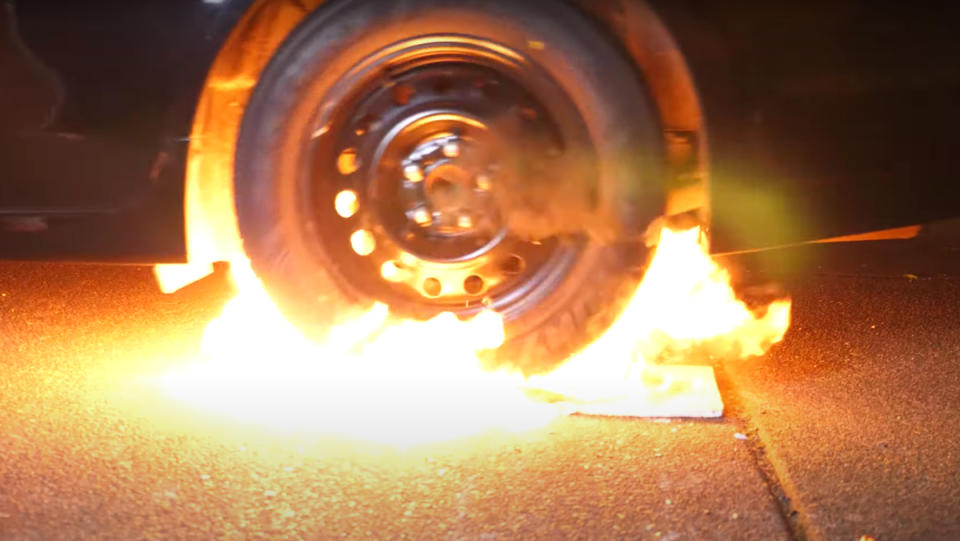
[106, 93]
[126, 76]
[823, 118]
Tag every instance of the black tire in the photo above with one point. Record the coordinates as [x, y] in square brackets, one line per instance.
[313, 288]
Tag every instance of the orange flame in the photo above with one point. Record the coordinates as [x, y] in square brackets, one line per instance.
[411, 382]
[397, 382]
[684, 300]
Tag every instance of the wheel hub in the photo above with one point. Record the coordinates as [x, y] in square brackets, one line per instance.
[446, 191]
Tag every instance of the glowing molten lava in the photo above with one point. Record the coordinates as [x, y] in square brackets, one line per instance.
[409, 382]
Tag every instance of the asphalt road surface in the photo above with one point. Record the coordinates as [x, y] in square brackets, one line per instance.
[848, 428]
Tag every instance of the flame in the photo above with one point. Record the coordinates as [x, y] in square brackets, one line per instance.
[376, 378]
[685, 300]
[405, 382]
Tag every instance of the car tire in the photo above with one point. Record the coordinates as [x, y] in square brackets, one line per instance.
[316, 286]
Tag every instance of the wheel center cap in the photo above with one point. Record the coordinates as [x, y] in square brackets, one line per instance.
[445, 178]
[448, 189]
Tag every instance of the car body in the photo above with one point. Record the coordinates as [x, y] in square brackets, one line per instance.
[810, 119]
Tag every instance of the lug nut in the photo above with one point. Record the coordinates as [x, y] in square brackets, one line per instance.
[484, 183]
[422, 217]
[451, 149]
[413, 173]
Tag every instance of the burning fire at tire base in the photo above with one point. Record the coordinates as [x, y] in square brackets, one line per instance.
[412, 382]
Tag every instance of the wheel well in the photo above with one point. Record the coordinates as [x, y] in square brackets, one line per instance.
[652, 48]
[211, 224]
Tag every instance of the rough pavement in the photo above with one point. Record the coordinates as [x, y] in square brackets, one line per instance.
[858, 410]
[850, 425]
[83, 454]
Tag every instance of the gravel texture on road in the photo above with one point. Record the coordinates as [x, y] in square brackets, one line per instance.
[858, 410]
[86, 453]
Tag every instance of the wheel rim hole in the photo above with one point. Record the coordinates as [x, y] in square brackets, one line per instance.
[347, 162]
[432, 287]
[513, 265]
[391, 271]
[473, 285]
[363, 242]
[365, 124]
[346, 203]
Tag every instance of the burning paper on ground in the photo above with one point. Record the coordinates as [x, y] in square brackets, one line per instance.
[650, 391]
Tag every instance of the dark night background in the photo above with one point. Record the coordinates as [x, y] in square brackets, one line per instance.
[823, 118]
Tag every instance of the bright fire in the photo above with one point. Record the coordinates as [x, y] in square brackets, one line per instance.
[684, 301]
[411, 382]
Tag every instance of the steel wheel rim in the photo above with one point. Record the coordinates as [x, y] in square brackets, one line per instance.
[405, 146]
